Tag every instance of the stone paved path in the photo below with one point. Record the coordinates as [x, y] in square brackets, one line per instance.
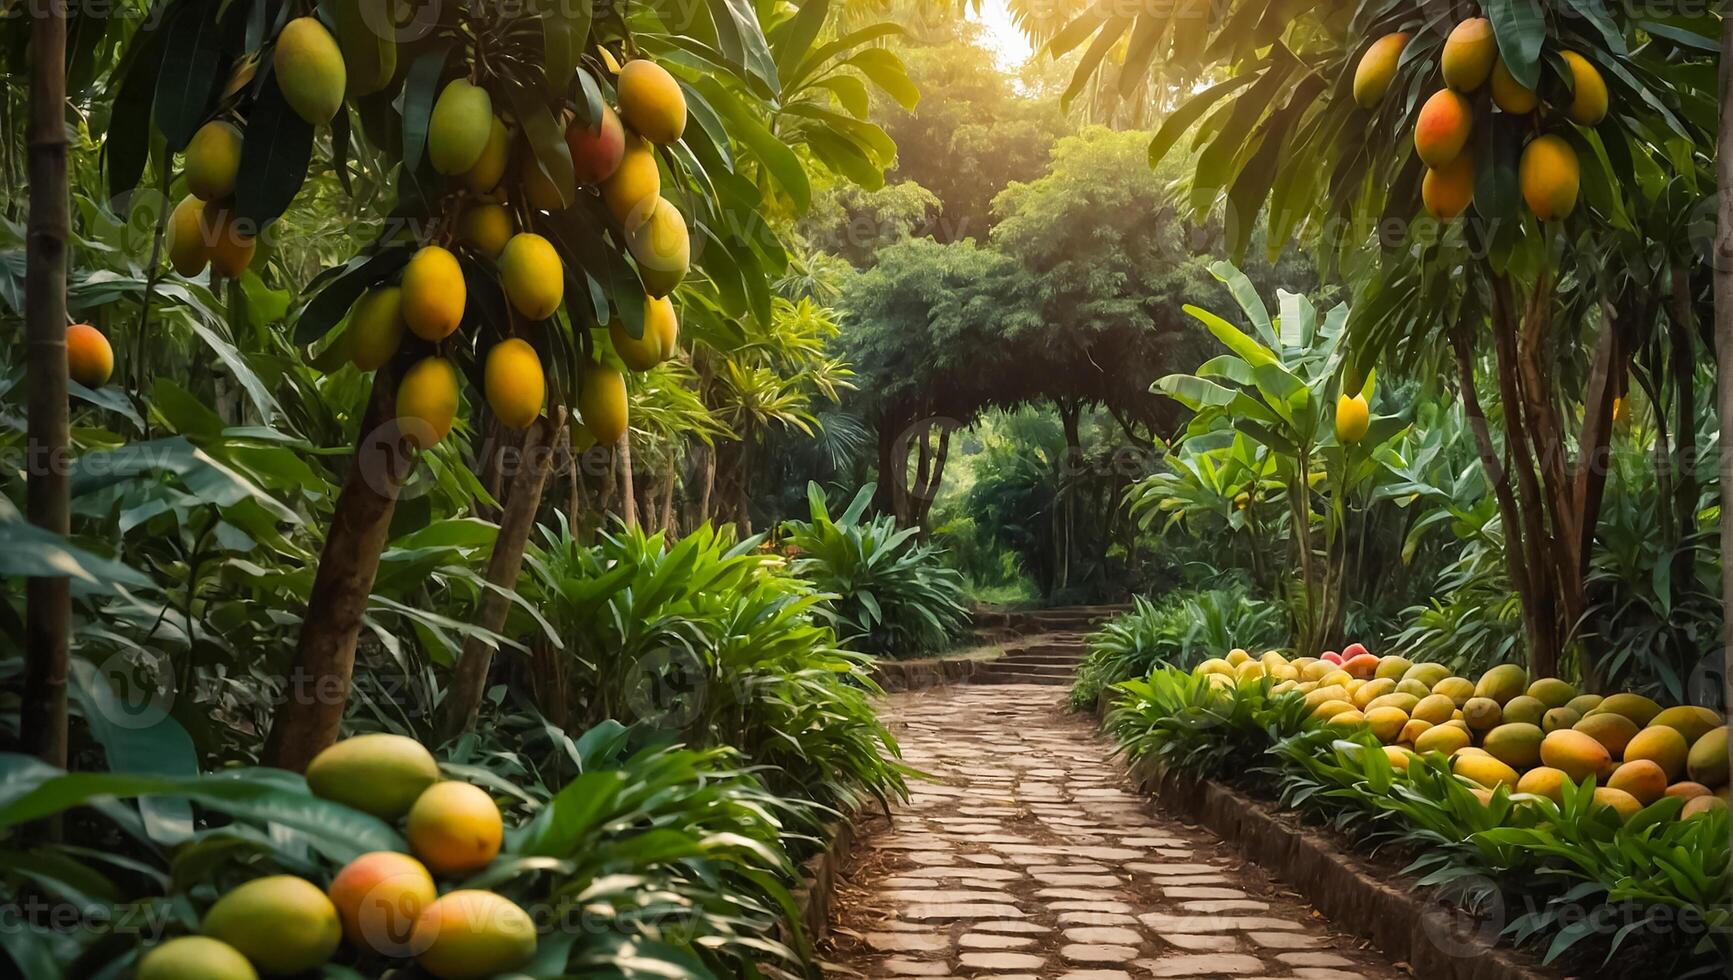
[1031, 858]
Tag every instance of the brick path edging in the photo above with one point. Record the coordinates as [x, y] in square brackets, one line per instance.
[1383, 909]
[817, 888]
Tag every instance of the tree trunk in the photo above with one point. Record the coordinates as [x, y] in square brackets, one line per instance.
[317, 688]
[48, 601]
[890, 497]
[469, 681]
[628, 498]
[1723, 266]
[708, 488]
[668, 479]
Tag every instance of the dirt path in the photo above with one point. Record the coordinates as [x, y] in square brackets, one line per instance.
[1030, 857]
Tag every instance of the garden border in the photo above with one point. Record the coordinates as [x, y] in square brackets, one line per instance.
[1356, 896]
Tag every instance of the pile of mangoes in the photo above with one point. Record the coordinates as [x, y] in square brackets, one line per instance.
[1505, 730]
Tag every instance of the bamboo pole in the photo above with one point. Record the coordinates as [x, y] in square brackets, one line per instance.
[48, 601]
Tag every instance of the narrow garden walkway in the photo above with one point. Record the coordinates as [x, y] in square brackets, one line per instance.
[1029, 856]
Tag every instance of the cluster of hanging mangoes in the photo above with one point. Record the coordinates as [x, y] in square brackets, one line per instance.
[1548, 173]
[485, 201]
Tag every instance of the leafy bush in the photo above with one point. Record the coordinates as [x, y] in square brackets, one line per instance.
[1545, 863]
[713, 639]
[1181, 630]
[670, 858]
[890, 593]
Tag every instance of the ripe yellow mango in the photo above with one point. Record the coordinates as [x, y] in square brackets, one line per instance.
[213, 159]
[532, 275]
[489, 168]
[602, 404]
[660, 246]
[635, 184]
[186, 238]
[427, 402]
[376, 327]
[1550, 177]
[514, 383]
[309, 70]
[486, 228]
[434, 293]
[651, 101]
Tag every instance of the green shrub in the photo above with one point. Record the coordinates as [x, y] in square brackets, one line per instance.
[714, 640]
[1182, 629]
[889, 593]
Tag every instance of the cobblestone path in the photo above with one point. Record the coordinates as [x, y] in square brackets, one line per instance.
[1030, 857]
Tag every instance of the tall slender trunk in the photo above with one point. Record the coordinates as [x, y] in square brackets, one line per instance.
[1723, 265]
[48, 601]
[462, 703]
[317, 688]
[668, 478]
[628, 498]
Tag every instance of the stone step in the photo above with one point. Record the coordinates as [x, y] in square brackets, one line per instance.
[1056, 659]
[1045, 670]
[1018, 677]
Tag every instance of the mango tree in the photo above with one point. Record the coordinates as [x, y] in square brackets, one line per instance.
[1492, 180]
[558, 171]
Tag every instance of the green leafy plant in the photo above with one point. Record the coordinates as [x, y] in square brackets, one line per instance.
[1182, 629]
[891, 593]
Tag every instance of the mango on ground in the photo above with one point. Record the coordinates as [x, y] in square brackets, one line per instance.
[380, 773]
[1576, 754]
[379, 896]
[471, 934]
[281, 923]
[454, 828]
[194, 958]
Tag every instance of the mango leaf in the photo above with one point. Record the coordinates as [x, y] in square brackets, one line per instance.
[28, 551]
[779, 160]
[274, 156]
[192, 54]
[1520, 27]
[742, 41]
[415, 102]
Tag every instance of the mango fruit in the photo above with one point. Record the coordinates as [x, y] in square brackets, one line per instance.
[602, 404]
[1707, 762]
[1552, 692]
[460, 127]
[1365, 693]
[596, 150]
[1544, 781]
[1377, 67]
[1582, 704]
[1485, 770]
[1448, 191]
[486, 228]
[281, 923]
[1406, 702]
[1427, 673]
[471, 934]
[194, 958]
[213, 159]
[1641, 778]
[379, 896]
[1353, 418]
[228, 242]
[1559, 718]
[454, 827]
[1412, 731]
[1457, 689]
[1502, 683]
[532, 275]
[381, 773]
[1576, 754]
[1611, 730]
[1636, 707]
[1666, 747]
[1442, 129]
[1588, 104]
[427, 402]
[1393, 667]
[1434, 708]
[1409, 685]
[1516, 744]
[636, 183]
[1469, 53]
[434, 293]
[1399, 756]
[368, 44]
[376, 327]
[1347, 719]
[1687, 790]
[1509, 94]
[489, 168]
[185, 237]
[1700, 805]
[514, 383]
[1550, 177]
[1617, 800]
[1688, 720]
[89, 356]
[1386, 723]
[309, 70]
[651, 101]
[659, 244]
[1482, 714]
[1442, 738]
[1525, 708]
